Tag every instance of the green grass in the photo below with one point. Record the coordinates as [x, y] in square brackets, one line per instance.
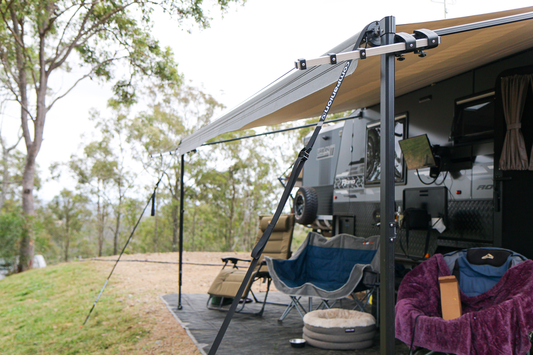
[41, 312]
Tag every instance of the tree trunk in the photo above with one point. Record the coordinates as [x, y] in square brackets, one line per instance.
[175, 225]
[67, 236]
[100, 211]
[231, 237]
[193, 232]
[155, 233]
[26, 242]
[117, 224]
[32, 146]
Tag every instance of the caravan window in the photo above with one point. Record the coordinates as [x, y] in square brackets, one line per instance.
[474, 119]
[373, 158]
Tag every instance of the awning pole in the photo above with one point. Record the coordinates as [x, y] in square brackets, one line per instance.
[182, 211]
[387, 228]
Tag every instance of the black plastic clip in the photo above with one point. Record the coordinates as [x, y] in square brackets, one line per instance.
[300, 64]
[362, 53]
[433, 38]
[420, 53]
[304, 154]
[409, 40]
[332, 58]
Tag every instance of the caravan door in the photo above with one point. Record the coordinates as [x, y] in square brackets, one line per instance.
[513, 179]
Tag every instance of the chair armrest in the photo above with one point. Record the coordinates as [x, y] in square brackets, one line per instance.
[370, 277]
[233, 260]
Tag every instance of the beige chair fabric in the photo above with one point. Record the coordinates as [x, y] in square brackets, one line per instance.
[228, 281]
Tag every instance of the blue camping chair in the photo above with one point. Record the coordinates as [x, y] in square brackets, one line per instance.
[330, 269]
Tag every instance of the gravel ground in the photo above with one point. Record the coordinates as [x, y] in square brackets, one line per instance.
[145, 282]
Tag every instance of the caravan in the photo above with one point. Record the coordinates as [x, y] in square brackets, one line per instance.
[449, 139]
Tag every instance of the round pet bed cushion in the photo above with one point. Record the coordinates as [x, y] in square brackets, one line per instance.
[339, 329]
[338, 346]
[340, 336]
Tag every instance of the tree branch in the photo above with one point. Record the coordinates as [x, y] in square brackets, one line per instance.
[79, 80]
[97, 27]
[67, 26]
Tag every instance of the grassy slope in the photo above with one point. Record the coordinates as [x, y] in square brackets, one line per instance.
[41, 312]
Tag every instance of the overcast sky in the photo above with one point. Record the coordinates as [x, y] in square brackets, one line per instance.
[247, 49]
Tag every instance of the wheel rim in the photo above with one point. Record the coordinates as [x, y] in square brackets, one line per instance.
[299, 205]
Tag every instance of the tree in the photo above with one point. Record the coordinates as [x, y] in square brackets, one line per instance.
[6, 174]
[69, 210]
[10, 231]
[115, 131]
[110, 39]
[96, 171]
[174, 114]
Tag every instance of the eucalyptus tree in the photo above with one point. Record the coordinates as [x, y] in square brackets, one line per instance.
[70, 211]
[109, 40]
[173, 114]
[96, 170]
[115, 130]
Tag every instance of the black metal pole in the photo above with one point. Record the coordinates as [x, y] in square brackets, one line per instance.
[387, 229]
[182, 211]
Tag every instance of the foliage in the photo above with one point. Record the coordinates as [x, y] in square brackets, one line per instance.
[108, 40]
[42, 312]
[70, 213]
[10, 231]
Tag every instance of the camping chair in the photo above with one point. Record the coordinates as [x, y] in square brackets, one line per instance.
[329, 269]
[227, 283]
[496, 294]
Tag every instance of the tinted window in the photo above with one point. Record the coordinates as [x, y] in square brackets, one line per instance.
[474, 120]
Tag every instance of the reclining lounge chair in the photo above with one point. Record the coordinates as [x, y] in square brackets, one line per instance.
[496, 291]
[227, 283]
[329, 269]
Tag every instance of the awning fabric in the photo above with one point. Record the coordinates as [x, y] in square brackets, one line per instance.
[303, 94]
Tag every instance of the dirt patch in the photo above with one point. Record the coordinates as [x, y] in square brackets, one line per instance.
[144, 282]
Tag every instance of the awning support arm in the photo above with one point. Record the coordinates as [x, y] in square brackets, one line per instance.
[423, 39]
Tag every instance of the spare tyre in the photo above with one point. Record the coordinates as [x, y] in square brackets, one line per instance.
[305, 205]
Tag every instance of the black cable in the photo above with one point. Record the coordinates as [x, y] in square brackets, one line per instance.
[443, 180]
[154, 261]
[123, 249]
[425, 183]
[413, 336]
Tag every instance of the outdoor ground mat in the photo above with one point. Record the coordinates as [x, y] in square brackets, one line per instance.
[250, 334]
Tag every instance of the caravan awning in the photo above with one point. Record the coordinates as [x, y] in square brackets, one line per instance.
[303, 94]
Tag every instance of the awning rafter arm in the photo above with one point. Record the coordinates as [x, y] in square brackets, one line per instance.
[423, 39]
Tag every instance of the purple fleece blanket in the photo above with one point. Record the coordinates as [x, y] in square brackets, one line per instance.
[495, 322]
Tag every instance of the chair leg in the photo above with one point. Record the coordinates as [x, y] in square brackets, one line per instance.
[361, 304]
[325, 304]
[287, 310]
[260, 313]
[295, 303]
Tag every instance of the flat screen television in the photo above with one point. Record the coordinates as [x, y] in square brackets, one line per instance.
[417, 152]
[432, 199]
